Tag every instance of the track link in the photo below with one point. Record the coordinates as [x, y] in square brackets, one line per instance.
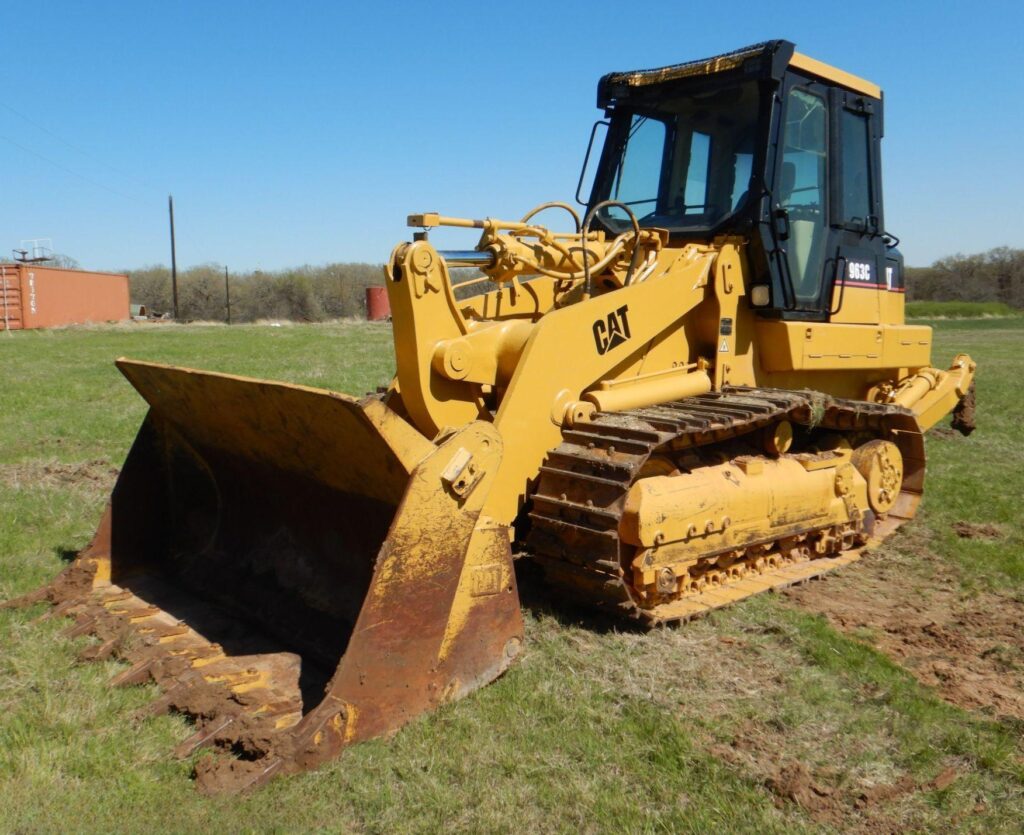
[580, 495]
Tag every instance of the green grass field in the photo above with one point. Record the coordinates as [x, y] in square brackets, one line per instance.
[777, 715]
[958, 310]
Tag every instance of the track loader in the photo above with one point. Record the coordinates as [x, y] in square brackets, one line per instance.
[703, 390]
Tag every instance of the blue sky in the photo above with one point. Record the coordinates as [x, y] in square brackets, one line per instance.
[305, 132]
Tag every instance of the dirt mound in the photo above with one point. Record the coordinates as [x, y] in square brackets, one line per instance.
[969, 647]
[792, 781]
[824, 793]
[97, 474]
[965, 414]
[970, 530]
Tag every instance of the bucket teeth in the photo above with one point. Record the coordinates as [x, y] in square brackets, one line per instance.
[135, 614]
[100, 652]
[161, 633]
[113, 595]
[66, 607]
[284, 714]
[263, 560]
[138, 673]
[238, 702]
[172, 698]
[37, 596]
[84, 626]
[202, 738]
[235, 680]
[214, 773]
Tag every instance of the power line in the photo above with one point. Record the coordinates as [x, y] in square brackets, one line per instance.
[67, 170]
[74, 147]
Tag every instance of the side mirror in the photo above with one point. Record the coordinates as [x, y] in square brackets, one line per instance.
[586, 165]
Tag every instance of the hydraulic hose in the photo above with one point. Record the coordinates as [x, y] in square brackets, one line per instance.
[586, 231]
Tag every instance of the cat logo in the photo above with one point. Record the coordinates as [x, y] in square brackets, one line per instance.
[611, 332]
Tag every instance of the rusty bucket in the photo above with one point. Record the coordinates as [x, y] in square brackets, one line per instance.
[297, 570]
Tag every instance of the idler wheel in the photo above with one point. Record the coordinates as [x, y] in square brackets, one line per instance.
[881, 465]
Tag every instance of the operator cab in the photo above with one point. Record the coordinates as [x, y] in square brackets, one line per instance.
[765, 143]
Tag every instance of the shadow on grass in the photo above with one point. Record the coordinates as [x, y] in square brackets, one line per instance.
[542, 599]
[66, 554]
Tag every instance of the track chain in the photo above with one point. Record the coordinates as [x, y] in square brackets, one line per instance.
[580, 494]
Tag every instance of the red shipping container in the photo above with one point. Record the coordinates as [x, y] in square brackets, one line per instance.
[34, 296]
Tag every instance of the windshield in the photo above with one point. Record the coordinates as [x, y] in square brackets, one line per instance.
[686, 165]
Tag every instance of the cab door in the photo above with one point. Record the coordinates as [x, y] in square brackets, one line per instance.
[826, 220]
[857, 246]
[800, 220]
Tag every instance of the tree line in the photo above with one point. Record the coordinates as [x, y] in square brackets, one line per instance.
[993, 276]
[302, 294]
[335, 291]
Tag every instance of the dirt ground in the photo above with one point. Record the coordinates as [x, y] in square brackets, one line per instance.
[97, 474]
[822, 793]
[969, 647]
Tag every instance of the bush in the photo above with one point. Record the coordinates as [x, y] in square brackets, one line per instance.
[993, 276]
[305, 294]
[986, 284]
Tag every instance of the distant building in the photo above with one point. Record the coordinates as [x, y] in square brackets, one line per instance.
[37, 296]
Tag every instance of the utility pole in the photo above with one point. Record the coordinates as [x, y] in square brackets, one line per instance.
[227, 293]
[174, 258]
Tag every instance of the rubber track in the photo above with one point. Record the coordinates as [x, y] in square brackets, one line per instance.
[583, 483]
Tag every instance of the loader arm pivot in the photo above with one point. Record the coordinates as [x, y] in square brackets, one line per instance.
[449, 369]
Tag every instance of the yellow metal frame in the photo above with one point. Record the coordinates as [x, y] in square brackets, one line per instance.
[535, 356]
[835, 75]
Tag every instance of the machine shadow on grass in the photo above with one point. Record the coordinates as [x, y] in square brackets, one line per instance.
[541, 600]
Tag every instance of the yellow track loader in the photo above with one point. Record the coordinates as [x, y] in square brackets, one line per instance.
[703, 390]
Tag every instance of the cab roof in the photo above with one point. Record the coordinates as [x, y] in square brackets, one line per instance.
[770, 58]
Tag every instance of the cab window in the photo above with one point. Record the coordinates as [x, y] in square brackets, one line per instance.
[686, 165]
[639, 174]
[802, 189]
[856, 173]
